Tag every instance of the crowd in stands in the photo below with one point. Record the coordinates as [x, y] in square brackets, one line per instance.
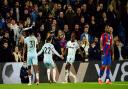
[58, 18]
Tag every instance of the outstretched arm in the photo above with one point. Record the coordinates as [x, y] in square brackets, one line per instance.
[53, 49]
[40, 52]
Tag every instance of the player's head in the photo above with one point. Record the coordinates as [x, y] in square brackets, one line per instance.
[49, 40]
[107, 30]
[73, 36]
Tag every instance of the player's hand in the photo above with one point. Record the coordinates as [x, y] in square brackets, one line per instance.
[61, 57]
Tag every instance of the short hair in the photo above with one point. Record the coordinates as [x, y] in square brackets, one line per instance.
[49, 39]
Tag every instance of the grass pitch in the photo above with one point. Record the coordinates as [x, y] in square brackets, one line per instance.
[90, 85]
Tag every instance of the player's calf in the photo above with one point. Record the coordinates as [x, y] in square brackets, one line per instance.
[100, 81]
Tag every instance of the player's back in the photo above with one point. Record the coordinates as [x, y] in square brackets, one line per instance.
[47, 49]
[31, 42]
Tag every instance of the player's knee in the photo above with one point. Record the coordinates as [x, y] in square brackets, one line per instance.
[102, 67]
[67, 67]
[108, 67]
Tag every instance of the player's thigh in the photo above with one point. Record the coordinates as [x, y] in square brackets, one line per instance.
[49, 64]
[29, 60]
[104, 60]
[70, 59]
[35, 60]
[109, 60]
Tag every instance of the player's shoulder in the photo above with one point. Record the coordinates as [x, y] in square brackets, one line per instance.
[48, 44]
[68, 42]
[27, 38]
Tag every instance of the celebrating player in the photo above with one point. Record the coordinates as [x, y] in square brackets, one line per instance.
[71, 47]
[30, 44]
[48, 50]
[107, 53]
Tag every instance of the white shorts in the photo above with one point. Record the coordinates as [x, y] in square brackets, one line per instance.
[70, 59]
[49, 64]
[32, 60]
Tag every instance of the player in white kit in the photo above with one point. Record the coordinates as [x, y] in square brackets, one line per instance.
[71, 47]
[31, 45]
[48, 50]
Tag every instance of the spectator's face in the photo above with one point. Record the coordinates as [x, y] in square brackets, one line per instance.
[24, 64]
[65, 28]
[5, 2]
[59, 6]
[101, 6]
[93, 18]
[96, 39]
[16, 49]
[40, 13]
[17, 3]
[54, 22]
[13, 22]
[86, 28]
[25, 11]
[84, 7]
[76, 26]
[6, 35]
[61, 14]
[98, 8]
[5, 45]
[69, 8]
[43, 2]
[104, 15]
[78, 10]
[82, 20]
[111, 8]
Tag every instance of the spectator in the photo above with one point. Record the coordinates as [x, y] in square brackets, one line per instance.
[85, 46]
[70, 16]
[93, 52]
[61, 20]
[24, 73]
[77, 31]
[86, 34]
[119, 51]
[67, 32]
[17, 55]
[5, 52]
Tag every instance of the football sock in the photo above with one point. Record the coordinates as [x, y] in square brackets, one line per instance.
[101, 71]
[66, 75]
[30, 79]
[107, 72]
[37, 76]
[54, 75]
[48, 74]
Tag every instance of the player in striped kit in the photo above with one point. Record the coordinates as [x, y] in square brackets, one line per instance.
[106, 46]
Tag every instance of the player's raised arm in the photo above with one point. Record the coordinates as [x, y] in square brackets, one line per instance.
[24, 50]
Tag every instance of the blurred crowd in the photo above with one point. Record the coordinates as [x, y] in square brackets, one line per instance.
[58, 18]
